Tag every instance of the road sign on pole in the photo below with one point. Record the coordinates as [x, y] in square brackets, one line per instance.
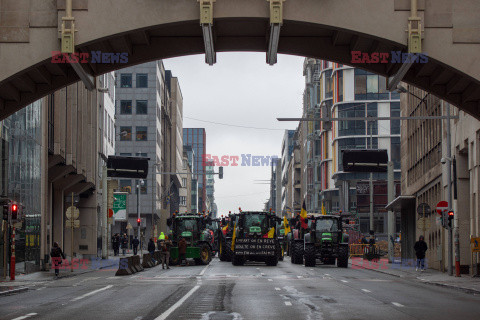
[441, 207]
[72, 213]
[423, 209]
[120, 206]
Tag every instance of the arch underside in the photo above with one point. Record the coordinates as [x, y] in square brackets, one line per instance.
[185, 38]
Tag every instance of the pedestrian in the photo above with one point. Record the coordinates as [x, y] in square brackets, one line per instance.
[420, 249]
[116, 244]
[182, 250]
[164, 247]
[135, 244]
[151, 249]
[57, 254]
[124, 242]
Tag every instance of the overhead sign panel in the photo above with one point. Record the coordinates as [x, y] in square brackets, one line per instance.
[364, 160]
[120, 206]
[127, 167]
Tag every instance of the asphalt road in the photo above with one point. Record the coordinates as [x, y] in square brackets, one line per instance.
[253, 291]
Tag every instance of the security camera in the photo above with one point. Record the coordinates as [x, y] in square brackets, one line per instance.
[443, 160]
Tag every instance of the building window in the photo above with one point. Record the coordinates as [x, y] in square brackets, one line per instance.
[142, 80]
[396, 152]
[383, 93]
[141, 154]
[143, 189]
[351, 127]
[125, 185]
[184, 182]
[126, 107]
[141, 133]
[395, 112]
[125, 133]
[340, 85]
[372, 111]
[183, 201]
[126, 80]
[125, 154]
[360, 84]
[328, 84]
[372, 87]
[142, 106]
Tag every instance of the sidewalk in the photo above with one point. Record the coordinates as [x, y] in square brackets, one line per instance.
[465, 283]
[23, 281]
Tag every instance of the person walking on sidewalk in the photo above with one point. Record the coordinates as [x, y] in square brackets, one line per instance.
[164, 247]
[420, 249]
[135, 244]
[57, 254]
[124, 242]
[151, 249]
[182, 250]
[116, 244]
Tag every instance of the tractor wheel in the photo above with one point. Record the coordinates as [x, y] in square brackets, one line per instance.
[272, 261]
[329, 261]
[221, 252]
[297, 252]
[205, 255]
[310, 255]
[228, 250]
[238, 260]
[343, 257]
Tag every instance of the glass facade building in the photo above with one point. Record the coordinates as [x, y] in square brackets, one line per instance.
[196, 138]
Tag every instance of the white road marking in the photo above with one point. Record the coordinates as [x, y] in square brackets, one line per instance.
[138, 318]
[311, 269]
[345, 281]
[262, 274]
[288, 303]
[278, 289]
[167, 313]
[41, 288]
[257, 268]
[398, 304]
[270, 280]
[299, 277]
[365, 290]
[203, 271]
[93, 292]
[327, 274]
[115, 278]
[26, 316]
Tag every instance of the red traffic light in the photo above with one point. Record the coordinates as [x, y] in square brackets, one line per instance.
[450, 213]
[14, 207]
[138, 221]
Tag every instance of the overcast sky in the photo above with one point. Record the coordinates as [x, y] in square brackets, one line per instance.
[240, 89]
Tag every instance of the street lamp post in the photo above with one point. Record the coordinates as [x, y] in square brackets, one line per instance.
[140, 183]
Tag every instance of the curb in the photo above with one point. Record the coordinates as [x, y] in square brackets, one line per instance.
[13, 291]
[444, 285]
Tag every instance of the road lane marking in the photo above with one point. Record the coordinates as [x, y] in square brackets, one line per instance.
[398, 304]
[327, 274]
[93, 292]
[311, 269]
[167, 313]
[299, 277]
[203, 271]
[26, 316]
[288, 303]
[365, 290]
[270, 280]
[278, 289]
[345, 281]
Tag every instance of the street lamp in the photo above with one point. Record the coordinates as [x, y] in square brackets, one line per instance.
[140, 184]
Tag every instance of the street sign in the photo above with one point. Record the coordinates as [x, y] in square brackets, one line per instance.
[129, 226]
[441, 207]
[120, 206]
[475, 242]
[423, 209]
[76, 223]
[72, 213]
[110, 213]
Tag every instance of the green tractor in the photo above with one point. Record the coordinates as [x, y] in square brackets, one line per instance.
[256, 238]
[225, 252]
[326, 241]
[192, 227]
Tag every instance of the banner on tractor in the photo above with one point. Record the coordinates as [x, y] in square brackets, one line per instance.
[251, 247]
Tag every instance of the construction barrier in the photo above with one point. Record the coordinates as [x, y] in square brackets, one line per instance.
[125, 267]
[147, 261]
[363, 250]
[136, 263]
[157, 256]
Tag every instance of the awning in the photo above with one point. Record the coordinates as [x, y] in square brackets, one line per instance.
[401, 202]
[127, 167]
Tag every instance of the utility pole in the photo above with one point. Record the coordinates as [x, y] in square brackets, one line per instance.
[104, 213]
[449, 189]
[372, 226]
[391, 215]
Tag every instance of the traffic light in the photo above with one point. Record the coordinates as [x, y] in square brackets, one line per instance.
[5, 211]
[450, 218]
[220, 172]
[14, 211]
[138, 221]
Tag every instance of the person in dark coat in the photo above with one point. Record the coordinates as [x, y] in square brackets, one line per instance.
[124, 242]
[116, 244]
[420, 250]
[135, 243]
[182, 250]
[151, 249]
[57, 254]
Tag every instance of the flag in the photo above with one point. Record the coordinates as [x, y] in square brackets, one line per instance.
[303, 216]
[286, 225]
[271, 233]
[323, 209]
[234, 236]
